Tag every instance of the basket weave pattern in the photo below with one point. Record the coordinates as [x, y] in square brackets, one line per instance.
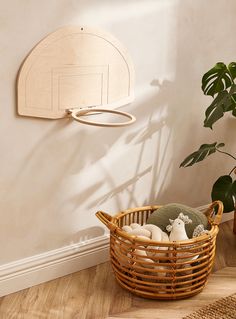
[160, 270]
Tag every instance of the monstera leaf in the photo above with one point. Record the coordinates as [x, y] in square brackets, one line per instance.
[232, 69]
[199, 155]
[224, 189]
[224, 102]
[219, 78]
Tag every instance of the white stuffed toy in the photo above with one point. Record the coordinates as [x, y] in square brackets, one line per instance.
[151, 231]
[177, 228]
[148, 232]
[178, 233]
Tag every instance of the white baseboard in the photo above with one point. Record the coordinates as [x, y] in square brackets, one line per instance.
[37, 269]
[225, 217]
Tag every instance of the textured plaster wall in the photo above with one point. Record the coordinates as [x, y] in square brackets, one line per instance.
[55, 174]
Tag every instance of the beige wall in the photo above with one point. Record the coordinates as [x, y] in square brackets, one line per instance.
[55, 174]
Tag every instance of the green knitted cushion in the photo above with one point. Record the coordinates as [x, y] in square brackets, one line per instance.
[160, 217]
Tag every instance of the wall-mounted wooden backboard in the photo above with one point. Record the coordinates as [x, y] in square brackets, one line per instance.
[74, 67]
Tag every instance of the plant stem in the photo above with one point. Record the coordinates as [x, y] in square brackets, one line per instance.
[226, 154]
[234, 229]
[232, 172]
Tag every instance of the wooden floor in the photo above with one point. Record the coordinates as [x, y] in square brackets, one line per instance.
[94, 294]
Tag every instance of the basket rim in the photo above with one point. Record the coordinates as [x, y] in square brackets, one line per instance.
[205, 237]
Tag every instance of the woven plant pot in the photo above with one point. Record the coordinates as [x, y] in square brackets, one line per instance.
[161, 270]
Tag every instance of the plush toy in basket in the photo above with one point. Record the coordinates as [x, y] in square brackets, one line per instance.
[163, 252]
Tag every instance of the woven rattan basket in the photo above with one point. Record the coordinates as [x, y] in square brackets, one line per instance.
[167, 270]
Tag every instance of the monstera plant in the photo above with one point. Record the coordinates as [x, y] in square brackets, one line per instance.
[219, 82]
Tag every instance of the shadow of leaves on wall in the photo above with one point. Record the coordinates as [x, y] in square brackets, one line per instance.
[121, 188]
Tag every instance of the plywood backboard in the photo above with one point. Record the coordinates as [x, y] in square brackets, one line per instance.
[74, 67]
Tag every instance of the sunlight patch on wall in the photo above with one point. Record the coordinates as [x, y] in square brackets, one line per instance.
[120, 10]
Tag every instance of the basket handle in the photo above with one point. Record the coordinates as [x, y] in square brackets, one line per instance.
[106, 219]
[218, 216]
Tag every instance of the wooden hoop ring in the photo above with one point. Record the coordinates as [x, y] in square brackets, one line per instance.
[76, 114]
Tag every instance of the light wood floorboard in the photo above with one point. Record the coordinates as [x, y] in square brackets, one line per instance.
[94, 294]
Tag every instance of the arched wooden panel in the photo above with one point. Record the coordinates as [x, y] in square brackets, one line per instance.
[74, 67]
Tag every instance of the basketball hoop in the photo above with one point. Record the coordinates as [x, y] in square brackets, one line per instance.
[77, 115]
